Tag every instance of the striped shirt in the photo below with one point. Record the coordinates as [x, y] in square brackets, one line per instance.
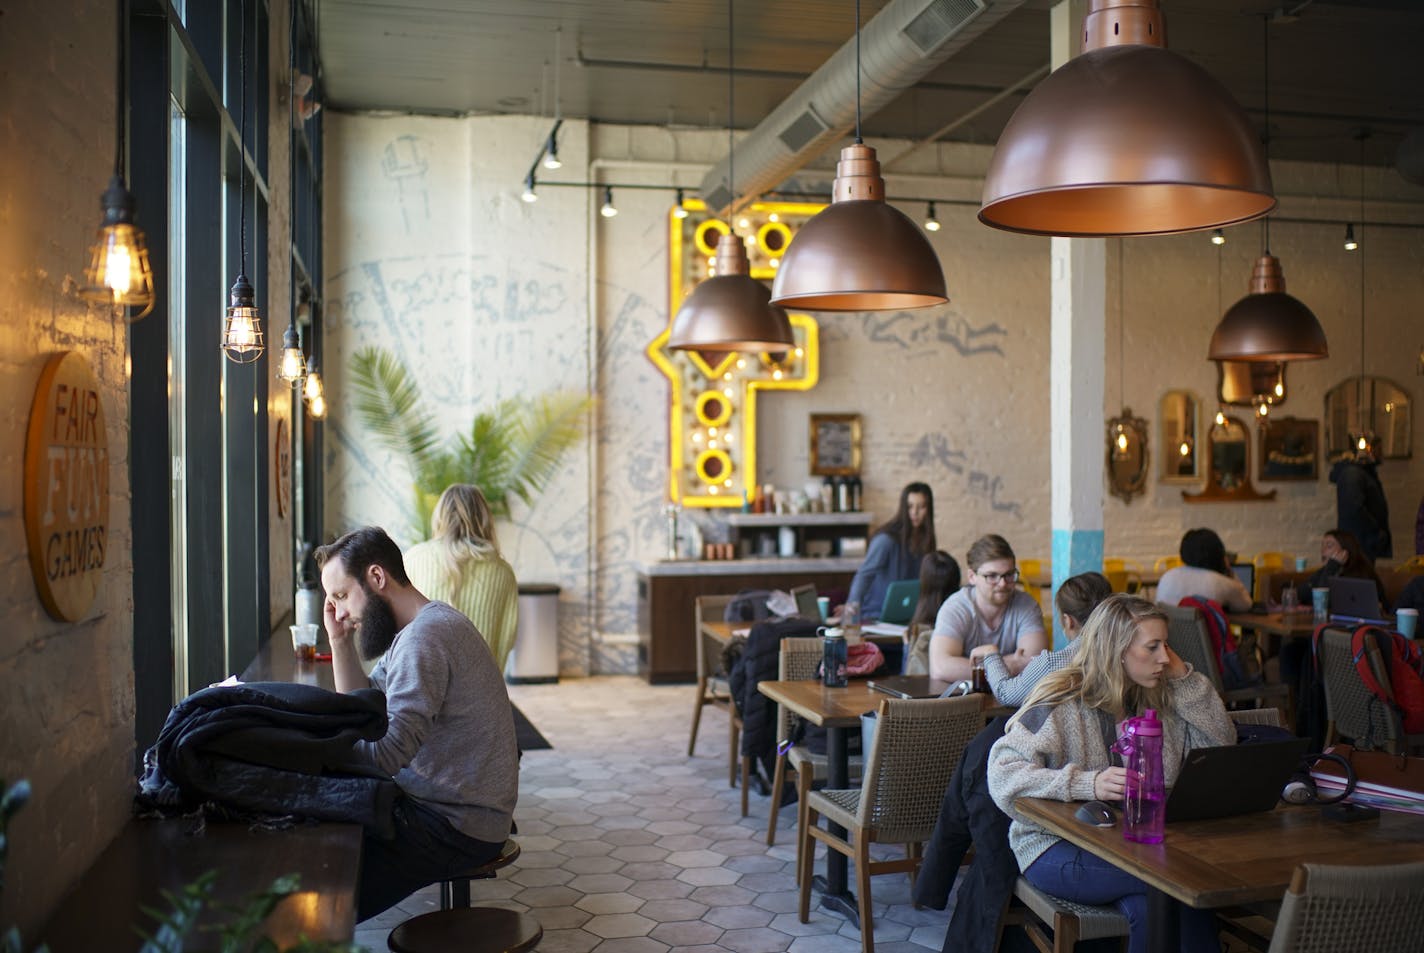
[1012, 690]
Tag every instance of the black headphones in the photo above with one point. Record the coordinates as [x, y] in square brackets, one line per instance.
[1302, 790]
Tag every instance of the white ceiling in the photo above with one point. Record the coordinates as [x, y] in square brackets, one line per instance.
[1335, 65]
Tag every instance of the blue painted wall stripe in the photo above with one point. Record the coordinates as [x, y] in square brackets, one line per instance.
[1074, 551]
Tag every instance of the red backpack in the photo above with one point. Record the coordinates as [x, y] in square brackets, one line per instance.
[1223, 643]
[1403, 663]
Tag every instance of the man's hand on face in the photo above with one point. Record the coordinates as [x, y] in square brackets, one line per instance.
[337, 632]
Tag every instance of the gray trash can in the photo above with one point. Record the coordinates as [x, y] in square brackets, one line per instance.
[535, 657]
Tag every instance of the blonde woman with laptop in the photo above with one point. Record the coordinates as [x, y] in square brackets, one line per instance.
[461, 565]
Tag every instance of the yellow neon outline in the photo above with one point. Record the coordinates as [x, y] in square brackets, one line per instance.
[774, 227]
[700, 466]
[699, 237]
[705, 398]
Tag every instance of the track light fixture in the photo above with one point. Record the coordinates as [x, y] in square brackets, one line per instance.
[551, 154]
[529, 195]
[678, 210]
[931, 223]
[1218, 237]
[1350, 243]
[609, 209]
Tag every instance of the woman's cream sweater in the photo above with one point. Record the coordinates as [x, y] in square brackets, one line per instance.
[486, 592]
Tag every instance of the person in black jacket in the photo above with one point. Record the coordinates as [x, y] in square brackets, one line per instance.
[760, 661]
[1359, 498]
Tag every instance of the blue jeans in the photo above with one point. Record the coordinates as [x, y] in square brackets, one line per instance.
[1074, 874]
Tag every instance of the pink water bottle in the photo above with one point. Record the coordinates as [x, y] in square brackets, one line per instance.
[1145, 797]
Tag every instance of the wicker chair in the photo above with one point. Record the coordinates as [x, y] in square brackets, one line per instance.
[713, 689]
[1188, 637]
[1351, 710]
[1257, 716]
[1352, 910]
[799, 658]
[1069, 920]
[917, 744]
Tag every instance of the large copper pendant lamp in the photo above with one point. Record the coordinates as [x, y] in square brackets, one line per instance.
[731, 311]
[858, 253]
[1268, 324]
[1126, 138]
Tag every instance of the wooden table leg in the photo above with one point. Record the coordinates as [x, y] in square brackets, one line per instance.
[834, 895]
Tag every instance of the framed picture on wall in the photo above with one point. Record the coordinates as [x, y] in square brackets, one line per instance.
[1290, 449]
[835, 444]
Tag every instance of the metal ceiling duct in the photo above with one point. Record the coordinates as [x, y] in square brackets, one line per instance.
[899, 46]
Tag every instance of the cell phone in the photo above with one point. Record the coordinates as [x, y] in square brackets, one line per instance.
[1346, 813]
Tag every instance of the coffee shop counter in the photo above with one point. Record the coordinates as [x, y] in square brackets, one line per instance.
[667, 642]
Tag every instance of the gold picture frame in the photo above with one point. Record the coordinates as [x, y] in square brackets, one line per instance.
[835, 444]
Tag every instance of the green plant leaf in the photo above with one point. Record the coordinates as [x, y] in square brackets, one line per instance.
[547, 428]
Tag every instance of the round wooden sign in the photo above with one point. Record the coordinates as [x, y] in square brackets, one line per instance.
[282, 463]
[67, 487]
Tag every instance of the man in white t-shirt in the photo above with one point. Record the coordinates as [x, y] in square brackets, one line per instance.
[990, 611]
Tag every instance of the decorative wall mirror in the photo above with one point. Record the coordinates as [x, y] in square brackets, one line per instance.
[1228, 461]
[1180, 414]
[1127, 455]
[1248, 383]
[1386, 411]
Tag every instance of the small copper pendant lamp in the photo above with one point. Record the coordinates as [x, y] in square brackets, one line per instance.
[858, 253]
[1127, 138]
[731, 311]
[1268, 324]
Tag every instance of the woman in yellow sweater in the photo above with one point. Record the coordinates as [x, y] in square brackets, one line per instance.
[461, 565]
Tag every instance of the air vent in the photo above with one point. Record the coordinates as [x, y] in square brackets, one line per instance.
[802, 130]
[939, 21]
[719, 198]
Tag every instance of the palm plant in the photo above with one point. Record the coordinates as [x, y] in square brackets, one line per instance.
[514, 449]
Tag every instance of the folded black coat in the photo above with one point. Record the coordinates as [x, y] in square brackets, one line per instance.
[760, 662]
[272, 748]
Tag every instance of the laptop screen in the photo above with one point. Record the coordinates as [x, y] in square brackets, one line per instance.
[1246, 572]
[805, 597]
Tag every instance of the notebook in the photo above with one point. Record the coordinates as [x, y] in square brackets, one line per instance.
[900, 599]
[910, 686]
[806, 606]
[1354, 600]
[1246, 572]
[1233, 779]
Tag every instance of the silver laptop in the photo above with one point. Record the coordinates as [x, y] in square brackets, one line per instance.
[806, 606]
[1354, 600]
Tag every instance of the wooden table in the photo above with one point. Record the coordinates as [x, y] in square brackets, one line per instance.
[276, 662]
[723, 631]
[835, 709]
[1233, 860]
[1286, 624]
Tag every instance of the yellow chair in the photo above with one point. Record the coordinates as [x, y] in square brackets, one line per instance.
[1035, 569]
[1165, 563]
[1414, 565]
[1125, 575]
[1267, 563]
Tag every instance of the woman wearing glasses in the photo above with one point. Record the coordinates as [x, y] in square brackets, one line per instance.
[991, 610]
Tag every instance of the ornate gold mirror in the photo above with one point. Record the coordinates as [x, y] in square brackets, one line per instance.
[1228, 460]
[1127, 455]
[1248, 383]
[1179, 412]
[1371, 403]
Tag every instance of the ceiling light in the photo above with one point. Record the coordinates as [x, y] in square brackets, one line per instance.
[609, 209]
[1127, 138]
[119, 272]
[294, 365]
[551, 154]
[732, 311]
[858, 253]
[312, 388]
[931, 223]
[242, 341]
[679, 210]
[1218, 237]
[529, 195]
[1350, 243]
[1268, 324]
[317, 407]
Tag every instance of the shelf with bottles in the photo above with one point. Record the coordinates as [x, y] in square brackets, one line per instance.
[809, 535]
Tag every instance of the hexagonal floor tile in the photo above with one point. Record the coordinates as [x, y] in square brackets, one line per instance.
[600, 883]
[601, 903]
[755, 940]
[619, 925]
[681, 933]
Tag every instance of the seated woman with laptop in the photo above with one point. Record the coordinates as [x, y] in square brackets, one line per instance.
[1205, 572]
[1341, 556]
[895, 551]
[990, 610]
[1057, 746]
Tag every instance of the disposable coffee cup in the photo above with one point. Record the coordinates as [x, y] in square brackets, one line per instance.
[1320, 603]
[1300, 564]
[304, 641]
[1407, 622]
[823, 603]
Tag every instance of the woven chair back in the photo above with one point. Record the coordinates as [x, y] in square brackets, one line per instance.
[918, 743]
[709, 650]
[1355, 711]
[1187, 635]
[798, 661]
[1352, 910]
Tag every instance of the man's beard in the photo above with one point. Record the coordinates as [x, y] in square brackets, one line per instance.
[377, 629]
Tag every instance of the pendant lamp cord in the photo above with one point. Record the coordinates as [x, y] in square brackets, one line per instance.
[121, 89]
[1360, 397]
[1266, 106]
[731, 111]
[1121, 320]
[858, 140]
[242, 145]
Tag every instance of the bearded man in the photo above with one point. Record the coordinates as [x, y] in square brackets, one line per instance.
[450, 743]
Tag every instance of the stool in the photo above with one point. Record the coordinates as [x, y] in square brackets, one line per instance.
[457, 926]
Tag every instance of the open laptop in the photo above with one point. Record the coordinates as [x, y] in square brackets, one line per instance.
[1355, 600]
[910, 686]
[806, 606]
[900, 599]
[1246, 572]
[1233, 779]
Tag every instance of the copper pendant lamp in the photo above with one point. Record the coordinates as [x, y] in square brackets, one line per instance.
[1127, 138]
[858, 253]
[732, 311]
[1268, 324]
